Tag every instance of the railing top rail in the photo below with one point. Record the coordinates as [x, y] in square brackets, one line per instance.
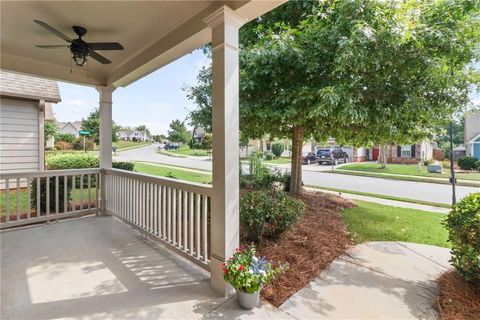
[48, 173]
[168, 182]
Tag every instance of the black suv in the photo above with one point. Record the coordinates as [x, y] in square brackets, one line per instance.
[332, 156]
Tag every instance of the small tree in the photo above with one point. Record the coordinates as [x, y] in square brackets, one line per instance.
[51, 129]
[178, 132]
[277, 149]
[92, 124]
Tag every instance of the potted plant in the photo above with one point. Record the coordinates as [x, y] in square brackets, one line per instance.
[248, 273]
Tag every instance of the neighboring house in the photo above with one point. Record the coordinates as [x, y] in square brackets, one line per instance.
[408, 153]
[125, 134]
[472, 134]
[133, 135]
[72, 127]
[24, 102]
[198, 134]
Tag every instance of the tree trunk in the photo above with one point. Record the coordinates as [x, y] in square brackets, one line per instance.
[383, 156]
[296, 166]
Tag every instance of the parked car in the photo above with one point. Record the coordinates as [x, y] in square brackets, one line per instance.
[332, 156]
[308, 157]
[171, 146]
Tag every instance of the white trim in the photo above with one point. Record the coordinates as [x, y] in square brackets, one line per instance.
[472, 141]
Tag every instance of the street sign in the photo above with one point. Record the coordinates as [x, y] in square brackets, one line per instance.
[84, 132]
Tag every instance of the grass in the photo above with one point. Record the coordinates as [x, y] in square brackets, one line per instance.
[185, 151]
[171, 172]
[407, 169]
[24, 200]
[121, 144]
[375, 222]
[383, 196]
[281, 160]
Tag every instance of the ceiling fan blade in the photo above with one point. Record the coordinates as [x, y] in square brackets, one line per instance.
[53, 46]
[99, 57]
[52, 30]
[105, 46]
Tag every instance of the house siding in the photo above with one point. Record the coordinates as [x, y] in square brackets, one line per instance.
[19, 135]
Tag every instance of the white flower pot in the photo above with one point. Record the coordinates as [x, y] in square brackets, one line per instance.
[247, 300]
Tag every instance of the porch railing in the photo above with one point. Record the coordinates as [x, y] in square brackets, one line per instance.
[30, 197]
[177, 213]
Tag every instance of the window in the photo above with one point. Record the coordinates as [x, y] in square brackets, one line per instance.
[406, 151]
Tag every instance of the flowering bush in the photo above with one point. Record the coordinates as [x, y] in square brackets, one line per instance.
[247, 272]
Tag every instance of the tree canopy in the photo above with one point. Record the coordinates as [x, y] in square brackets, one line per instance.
[178, 132]
[363, 71]
[92, 124]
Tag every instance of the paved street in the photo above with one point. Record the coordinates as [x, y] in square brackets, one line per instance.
[149, 154]
[405, 189]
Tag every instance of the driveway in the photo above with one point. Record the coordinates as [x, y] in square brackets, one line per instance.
[319, 176]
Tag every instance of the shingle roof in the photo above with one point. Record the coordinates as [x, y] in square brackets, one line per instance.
[28, 87]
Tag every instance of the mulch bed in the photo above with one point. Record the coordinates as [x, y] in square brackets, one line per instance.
[458, 299]
[317, 239]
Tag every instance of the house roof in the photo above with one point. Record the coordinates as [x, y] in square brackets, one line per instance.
[28, 87]
[126, 132]
[76, 124]
[474, 139]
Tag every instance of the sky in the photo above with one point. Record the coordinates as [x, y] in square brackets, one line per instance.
[154, 100]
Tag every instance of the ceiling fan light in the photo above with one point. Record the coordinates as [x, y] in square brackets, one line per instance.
[80, 59]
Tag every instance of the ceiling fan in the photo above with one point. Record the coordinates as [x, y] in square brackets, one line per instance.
[80, 49]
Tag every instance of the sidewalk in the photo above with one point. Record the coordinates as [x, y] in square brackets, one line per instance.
[386, 202]
[374, 280]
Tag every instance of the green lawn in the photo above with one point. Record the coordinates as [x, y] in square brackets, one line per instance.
[407, 169]
[121, 144]
[177, 173]
[24, 198]
[375, 222]
[185, 150]
[278, 161]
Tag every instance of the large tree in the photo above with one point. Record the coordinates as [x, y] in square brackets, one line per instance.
[92, 124]
[178, 132]
[363, 71]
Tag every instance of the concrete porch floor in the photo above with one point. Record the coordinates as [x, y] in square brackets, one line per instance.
[99, 268]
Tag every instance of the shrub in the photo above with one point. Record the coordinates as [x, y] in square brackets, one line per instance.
[62, 145]
[463, 225]
[43, 193]
[123, 165]
[277, 149]
[477, 165]
[78, 144]
[268, 155]
[467, 163]
[266, 214]
[72, 161]
[65, 137]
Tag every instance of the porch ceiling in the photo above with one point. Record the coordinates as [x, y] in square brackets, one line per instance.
[153, 34]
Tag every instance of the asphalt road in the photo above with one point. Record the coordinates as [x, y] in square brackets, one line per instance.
[404, 189]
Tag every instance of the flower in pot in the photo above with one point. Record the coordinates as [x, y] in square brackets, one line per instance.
[248, 273]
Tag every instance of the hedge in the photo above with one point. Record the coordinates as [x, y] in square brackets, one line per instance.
[68, 161]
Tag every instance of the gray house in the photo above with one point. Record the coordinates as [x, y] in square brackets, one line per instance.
[23, 105]
[472, 134]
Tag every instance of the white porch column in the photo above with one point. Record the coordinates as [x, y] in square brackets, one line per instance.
[225, 118]
[105, 110]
